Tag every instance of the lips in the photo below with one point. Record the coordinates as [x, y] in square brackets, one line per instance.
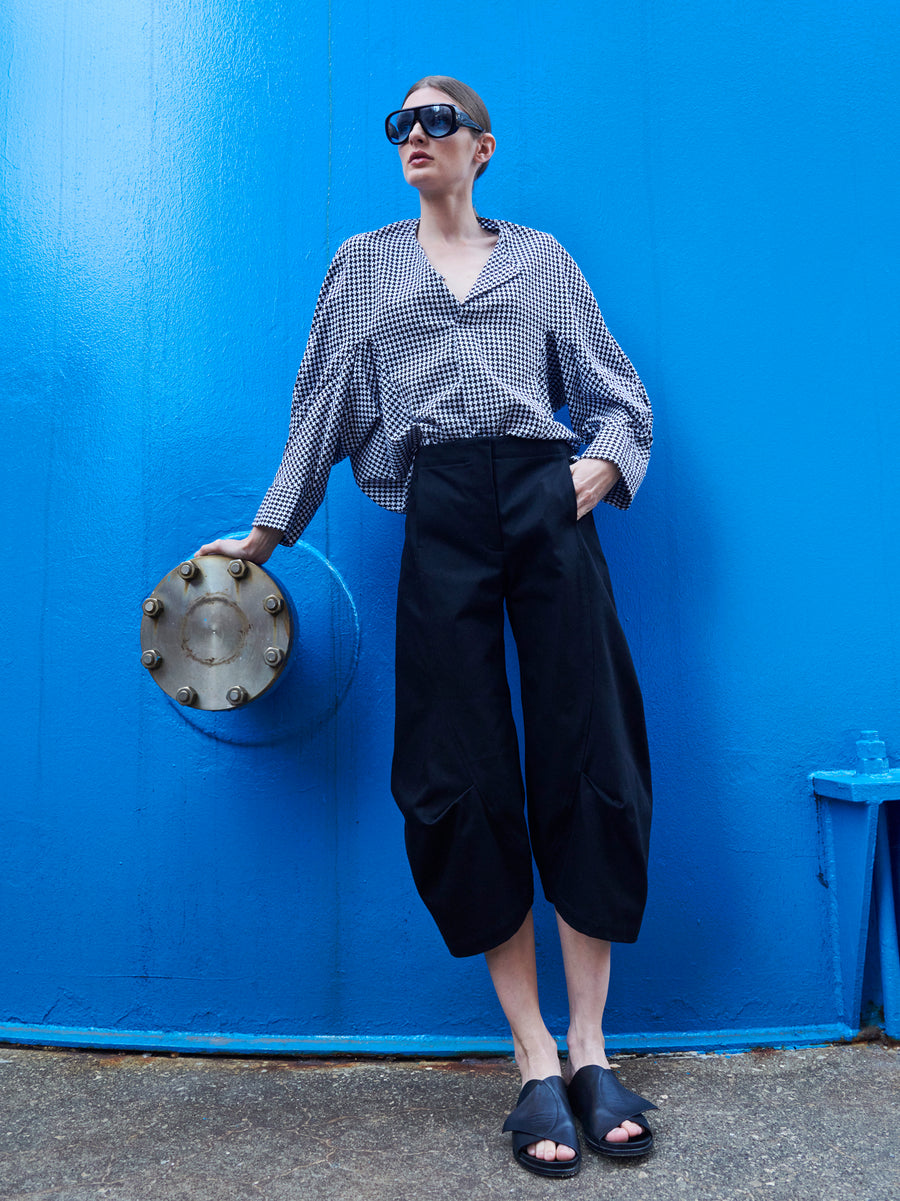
[418, 158]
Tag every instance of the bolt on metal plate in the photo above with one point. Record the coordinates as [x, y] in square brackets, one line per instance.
[211, 637]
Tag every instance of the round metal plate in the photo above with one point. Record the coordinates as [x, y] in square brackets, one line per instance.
[216, 633]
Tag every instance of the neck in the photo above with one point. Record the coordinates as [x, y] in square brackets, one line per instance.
[449, 217]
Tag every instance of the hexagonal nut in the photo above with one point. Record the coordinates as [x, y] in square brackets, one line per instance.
[152, 606]
[188, 569]
[186, 695]
[237, 695]
[237, 568]
[274, 656]
[273, 604]
[151, 658]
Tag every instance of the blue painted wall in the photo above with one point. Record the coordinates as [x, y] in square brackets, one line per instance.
[176, 178]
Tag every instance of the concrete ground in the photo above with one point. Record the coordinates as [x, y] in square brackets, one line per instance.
[821, 1124]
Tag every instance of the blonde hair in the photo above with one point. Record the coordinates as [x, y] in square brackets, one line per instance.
[467, 99]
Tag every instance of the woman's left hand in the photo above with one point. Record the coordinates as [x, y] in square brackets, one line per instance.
[593, 478]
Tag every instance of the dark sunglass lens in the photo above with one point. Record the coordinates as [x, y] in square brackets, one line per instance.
[437, 120]
[399, 125]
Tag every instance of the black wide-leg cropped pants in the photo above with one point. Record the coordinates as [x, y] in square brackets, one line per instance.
[492, 521]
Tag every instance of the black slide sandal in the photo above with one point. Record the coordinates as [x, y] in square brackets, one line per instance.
[543, 1111]
[601, 1102]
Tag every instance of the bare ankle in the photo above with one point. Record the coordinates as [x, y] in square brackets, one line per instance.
[585, 1047]
[537, 1058]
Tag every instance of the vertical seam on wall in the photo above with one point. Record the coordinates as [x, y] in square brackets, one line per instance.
[330, 132]
[335, 991]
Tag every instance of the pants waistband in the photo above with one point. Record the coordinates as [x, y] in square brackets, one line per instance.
[505, 446]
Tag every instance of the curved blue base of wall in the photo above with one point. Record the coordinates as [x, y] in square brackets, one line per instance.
[424, 1045]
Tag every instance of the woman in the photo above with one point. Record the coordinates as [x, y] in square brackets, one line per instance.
[439, 352]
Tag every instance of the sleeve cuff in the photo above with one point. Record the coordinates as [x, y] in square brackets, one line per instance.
[286, 511]
[617, 445]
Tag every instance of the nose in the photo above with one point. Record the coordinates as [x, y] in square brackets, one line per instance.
[417, 133]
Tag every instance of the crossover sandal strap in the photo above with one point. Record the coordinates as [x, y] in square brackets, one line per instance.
[602, 1102]
[543, 1112]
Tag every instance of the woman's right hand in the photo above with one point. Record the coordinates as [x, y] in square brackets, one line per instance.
[256, 547]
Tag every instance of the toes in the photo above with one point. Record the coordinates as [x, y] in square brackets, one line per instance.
[548, 1150]
[619, 1135]
[623, 1133]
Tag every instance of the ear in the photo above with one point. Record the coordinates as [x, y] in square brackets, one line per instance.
[485, 147]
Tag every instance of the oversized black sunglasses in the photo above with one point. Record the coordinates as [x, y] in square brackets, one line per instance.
[438, 121]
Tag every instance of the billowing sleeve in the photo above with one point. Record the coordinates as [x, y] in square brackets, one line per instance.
[608, 405]
[322, 395]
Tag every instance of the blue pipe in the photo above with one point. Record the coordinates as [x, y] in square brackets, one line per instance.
[887, 929]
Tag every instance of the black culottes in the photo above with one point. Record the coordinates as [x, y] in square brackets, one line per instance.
[492, 521]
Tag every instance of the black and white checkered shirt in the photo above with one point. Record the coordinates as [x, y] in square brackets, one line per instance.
[395, 361]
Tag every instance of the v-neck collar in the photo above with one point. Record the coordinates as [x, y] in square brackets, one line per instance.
[499, 267]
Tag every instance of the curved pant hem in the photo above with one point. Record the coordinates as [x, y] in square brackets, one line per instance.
[486, 942]
[595, 929]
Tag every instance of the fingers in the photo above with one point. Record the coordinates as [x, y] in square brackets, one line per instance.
[255, 548]
[584, 497]
[231, 548]
[592, 479]
[219, 547]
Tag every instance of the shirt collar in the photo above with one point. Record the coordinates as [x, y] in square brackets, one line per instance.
[500, 267]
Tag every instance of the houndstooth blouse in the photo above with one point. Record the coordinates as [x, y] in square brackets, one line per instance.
[395, 361]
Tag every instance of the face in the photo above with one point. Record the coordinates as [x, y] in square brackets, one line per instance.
[439, 164]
